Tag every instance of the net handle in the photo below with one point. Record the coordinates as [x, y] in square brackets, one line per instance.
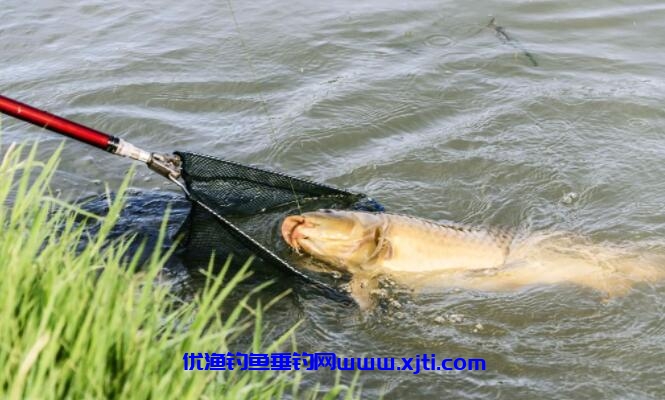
[163, 164]
[72, 129]
[57, 124]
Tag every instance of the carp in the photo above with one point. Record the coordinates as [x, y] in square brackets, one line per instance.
[419, 252]
[357, 241]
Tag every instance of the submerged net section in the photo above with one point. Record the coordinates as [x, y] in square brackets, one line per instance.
[237, 211]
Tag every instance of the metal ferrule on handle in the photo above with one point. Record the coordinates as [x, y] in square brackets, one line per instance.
[167, 165]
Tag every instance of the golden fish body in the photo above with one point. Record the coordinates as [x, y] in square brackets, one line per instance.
[422, 253]
[418, 245]
[358, 241]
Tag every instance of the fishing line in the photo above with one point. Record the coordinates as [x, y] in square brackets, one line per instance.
[248, 59]
[262, 101]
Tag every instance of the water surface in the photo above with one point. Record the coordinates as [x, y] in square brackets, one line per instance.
[419, 105]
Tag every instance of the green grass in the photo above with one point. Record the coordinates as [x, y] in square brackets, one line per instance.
[86, 324]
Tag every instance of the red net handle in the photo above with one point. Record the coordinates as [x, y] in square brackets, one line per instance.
[57, 124]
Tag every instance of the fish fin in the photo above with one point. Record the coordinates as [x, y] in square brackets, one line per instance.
[361, 291]
[386, 249]
[383, 247]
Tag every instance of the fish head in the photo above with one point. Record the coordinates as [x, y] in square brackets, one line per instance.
[347, 240]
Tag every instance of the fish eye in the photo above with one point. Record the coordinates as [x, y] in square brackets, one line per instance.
[327, 211]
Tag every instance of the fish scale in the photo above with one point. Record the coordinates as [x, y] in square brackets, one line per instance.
[438, 246]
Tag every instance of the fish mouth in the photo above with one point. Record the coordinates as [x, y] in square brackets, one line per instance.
[289, 226]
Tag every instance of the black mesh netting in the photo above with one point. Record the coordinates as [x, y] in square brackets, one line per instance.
[237, 210]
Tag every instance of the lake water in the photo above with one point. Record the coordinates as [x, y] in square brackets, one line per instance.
[421, 106]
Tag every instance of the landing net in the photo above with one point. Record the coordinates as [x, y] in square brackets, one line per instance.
[237, 211]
